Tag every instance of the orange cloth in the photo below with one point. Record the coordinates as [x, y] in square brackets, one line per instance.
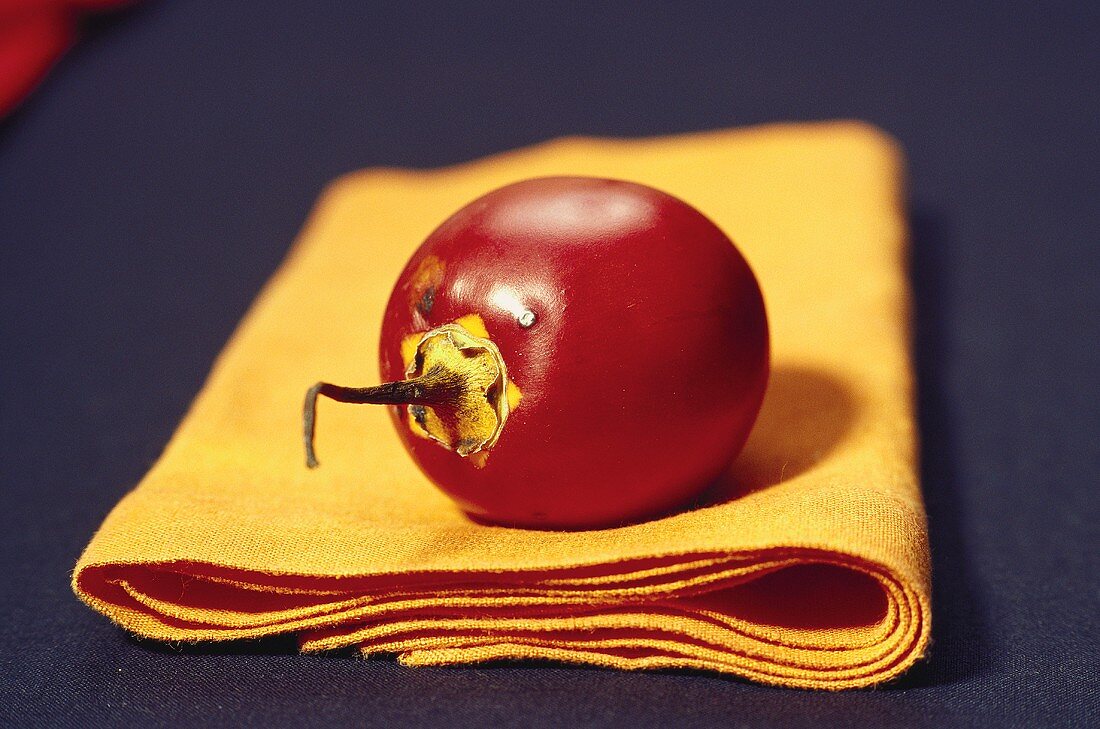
[808, 566]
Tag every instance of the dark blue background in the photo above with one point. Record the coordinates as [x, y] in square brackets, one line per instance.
[156, 179]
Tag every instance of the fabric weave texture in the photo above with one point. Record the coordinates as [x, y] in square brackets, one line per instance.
[806, 566]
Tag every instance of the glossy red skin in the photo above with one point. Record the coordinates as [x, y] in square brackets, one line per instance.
[642, 374]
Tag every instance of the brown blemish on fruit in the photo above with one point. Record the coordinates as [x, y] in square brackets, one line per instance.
[427, 300]
[424, 283]
[418, 421]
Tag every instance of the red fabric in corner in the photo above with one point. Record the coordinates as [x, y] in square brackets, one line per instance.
[34, 34]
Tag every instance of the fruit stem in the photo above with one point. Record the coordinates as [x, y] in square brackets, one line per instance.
[432, 388]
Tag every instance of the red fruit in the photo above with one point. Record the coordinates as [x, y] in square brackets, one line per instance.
[612, 370]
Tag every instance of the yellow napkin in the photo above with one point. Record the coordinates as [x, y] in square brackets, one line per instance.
[807, 566]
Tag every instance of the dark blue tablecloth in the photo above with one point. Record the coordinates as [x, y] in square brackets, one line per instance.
[156, 179]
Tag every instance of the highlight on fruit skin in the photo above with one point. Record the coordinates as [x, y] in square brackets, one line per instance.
[570, 353]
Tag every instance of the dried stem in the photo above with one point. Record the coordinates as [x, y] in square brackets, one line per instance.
[432, 388]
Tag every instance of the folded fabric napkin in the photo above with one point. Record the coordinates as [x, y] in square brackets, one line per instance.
[806, 566]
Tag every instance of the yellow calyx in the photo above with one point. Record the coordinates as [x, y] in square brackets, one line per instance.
[469, 384]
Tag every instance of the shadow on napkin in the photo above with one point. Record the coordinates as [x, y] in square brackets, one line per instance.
[805, 414]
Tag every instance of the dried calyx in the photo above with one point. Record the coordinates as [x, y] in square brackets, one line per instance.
[456, 389]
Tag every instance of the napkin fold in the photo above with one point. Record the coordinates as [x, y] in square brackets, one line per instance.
[807, 565]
